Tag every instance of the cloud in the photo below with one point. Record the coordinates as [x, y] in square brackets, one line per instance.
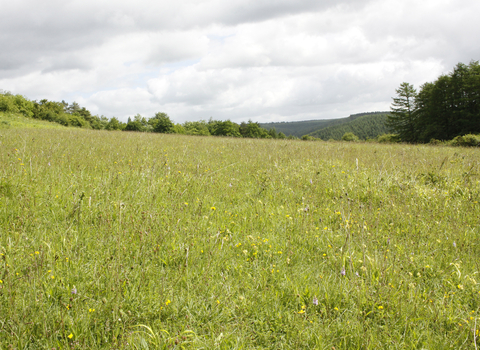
[239, 60]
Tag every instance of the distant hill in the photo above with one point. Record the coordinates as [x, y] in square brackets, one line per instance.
[364, 126]
[309, 127]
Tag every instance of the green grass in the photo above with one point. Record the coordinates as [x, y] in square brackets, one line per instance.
[15, 120]
[115, 240]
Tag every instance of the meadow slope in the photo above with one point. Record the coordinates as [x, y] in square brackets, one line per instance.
[131, 240]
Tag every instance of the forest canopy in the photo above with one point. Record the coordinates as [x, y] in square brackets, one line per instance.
[442, 110]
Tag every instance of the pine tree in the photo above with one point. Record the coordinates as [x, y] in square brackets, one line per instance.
[402, 119]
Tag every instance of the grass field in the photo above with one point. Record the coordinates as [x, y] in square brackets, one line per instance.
[15, 120]
[116, 240]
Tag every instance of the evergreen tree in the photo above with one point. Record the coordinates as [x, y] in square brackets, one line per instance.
[402, 120]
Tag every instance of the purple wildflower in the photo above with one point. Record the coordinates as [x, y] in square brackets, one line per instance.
[343, 271]
[315, 301]
[74, 290]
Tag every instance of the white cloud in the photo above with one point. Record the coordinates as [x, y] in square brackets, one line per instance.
[242, 59]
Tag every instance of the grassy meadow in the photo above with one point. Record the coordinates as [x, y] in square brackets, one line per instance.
[116, 240]
[16, 120]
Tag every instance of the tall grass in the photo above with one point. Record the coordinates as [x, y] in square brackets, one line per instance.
[127, 240]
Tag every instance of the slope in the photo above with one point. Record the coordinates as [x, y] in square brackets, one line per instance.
[365, 126]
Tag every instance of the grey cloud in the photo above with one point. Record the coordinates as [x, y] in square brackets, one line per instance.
[238, 59]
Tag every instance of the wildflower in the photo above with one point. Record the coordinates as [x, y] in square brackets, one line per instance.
[343, 271]
[167, 302]
[380, 307]
[454, 245]
[91, 310]
[315, 300]
[460, 286]
[301, 312]
[70, 336]
[213, 208]
[74, 290]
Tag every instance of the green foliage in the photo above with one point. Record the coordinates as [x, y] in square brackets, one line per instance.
[403, 117]
[179, 129]
[468, 140]
[388, 138]
[349, 136]
[444, 109]
[196, 128]
[15, 104]
[364, 126]
[162, 123]
[225, 128]
[253, 130]
[316, 127]
[139, 124]
[115, 124]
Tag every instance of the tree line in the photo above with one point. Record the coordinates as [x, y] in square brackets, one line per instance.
[76, 116]
[443, 110]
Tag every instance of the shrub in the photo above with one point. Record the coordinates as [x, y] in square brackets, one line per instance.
[308, 138]
[349, 136]
[388, 138]
[468, 140]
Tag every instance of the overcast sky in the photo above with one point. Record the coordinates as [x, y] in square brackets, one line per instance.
[264, 60]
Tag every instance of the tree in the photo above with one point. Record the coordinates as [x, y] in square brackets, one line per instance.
[161, 123]
[196, 128]
[402, 119]
[115, 124]
[253, 130]
[227, 128]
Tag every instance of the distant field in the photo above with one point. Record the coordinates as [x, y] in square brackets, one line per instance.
[9, 120]
[117, 240]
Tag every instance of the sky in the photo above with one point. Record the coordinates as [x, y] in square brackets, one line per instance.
[259, 60]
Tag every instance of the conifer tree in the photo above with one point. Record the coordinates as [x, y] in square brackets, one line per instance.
[402, 120]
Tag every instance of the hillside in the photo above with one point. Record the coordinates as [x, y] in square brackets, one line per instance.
[17, 120]
[365, 126]
[308, 127]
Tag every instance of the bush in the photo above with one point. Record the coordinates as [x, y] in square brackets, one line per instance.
[349, 136]
[436, 142]
[468, 140]
[308, 138]
[388, 138]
